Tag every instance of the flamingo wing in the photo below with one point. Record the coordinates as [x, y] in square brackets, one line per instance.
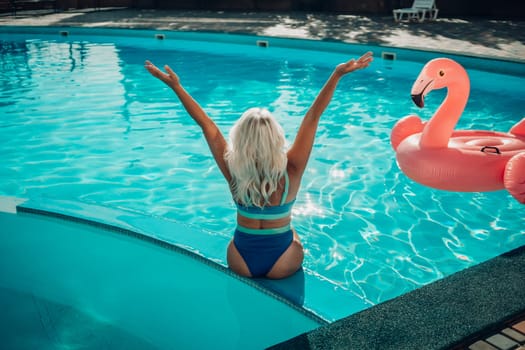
[519, 128]
[514, 177]
[405, 127]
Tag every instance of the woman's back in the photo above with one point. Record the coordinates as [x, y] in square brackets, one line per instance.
[276, 213]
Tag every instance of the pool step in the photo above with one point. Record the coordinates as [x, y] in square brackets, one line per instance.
[9, 204]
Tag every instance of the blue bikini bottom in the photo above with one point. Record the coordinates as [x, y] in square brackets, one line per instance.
[261, 251]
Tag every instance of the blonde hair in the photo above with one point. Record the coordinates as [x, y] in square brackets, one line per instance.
[256, 157]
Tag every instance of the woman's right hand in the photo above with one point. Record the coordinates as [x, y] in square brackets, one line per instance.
[170, 78]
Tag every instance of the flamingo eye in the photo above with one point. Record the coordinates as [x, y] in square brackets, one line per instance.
[441, 73]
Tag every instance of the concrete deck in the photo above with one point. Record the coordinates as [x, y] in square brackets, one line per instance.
[473, 37]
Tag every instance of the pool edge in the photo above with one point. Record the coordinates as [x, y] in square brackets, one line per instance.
[406, 53]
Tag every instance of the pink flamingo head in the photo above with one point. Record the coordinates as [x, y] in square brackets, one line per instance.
[437, 74]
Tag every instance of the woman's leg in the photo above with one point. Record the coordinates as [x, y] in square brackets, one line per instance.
[290, 261]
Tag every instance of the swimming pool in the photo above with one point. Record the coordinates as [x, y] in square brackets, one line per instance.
[82, 120]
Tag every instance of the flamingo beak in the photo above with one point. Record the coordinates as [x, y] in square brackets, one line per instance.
[421, 87]
[419, 100]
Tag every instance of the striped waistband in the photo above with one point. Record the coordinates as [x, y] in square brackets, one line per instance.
[264, 231]
[266, 213]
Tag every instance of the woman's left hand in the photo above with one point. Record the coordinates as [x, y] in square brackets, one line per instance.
[353, 65]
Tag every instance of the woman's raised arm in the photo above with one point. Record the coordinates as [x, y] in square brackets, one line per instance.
[213, 135]
[299, 153]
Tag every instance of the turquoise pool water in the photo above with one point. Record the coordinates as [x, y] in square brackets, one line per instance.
[80, 119]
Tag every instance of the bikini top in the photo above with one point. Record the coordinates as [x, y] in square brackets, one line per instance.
[273, 212]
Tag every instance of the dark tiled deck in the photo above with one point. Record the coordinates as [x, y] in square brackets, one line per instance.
[510, 337]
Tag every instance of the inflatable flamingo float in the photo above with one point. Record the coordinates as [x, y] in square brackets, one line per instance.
[434, 154]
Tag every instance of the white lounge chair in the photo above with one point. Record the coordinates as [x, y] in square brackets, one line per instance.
[420, 10]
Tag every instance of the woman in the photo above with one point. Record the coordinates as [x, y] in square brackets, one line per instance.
[264, 179]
